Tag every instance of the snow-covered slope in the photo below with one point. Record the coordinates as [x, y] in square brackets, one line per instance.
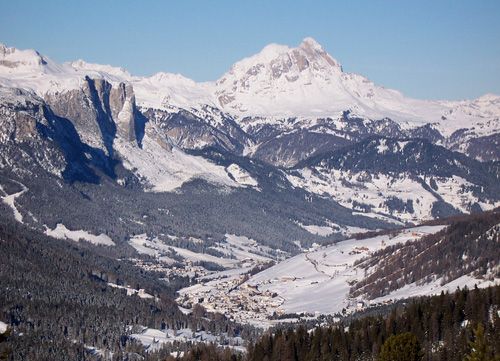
[166, 170]
[411, 180]
[29, 69]
[319, 281]
[61, 232]
[163, 90]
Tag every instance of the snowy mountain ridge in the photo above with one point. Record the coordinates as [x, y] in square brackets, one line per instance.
[167, 131]
[278, 83]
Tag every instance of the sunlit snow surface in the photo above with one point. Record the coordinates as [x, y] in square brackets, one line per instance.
[346, 188]
[241, 176]
[235, 248]
[131, 291]
[325, 231]
[9, 199]
[61, 232]
[167, 170]
[154, 339]
[318, 281]
[274, 83]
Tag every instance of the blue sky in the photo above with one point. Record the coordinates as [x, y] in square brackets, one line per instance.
[447, 49]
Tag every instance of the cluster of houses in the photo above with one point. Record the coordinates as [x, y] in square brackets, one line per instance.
[233, 297]
[189, 269]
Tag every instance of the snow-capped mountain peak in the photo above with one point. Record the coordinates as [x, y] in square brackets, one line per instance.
[314, 49]
[287, 82]
[275, 62]
[306, 82]
[15, 60]
[311, 43]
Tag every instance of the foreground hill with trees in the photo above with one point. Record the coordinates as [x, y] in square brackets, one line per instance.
[464, 325]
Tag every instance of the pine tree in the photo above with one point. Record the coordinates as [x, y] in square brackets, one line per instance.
[479, 347]
[402, 347]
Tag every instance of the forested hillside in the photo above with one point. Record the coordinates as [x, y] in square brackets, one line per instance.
[470, 244]
[57, 303]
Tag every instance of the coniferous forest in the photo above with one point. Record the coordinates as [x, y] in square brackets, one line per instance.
[58, 306]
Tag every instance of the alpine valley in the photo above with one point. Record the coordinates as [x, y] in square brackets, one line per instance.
[286, 191]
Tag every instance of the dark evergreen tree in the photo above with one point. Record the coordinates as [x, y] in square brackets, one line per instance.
[479, 350]
[402, 347]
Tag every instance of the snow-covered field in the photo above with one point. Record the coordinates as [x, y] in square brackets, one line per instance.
[319, 281]
[61, 232]
[325, 231]
[236, 250]
[154, 339]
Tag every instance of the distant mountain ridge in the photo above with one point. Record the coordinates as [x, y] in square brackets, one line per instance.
[277, 82]
[74, 124]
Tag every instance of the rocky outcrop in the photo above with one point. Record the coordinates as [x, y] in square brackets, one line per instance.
[19, 112]
[99, 111]
[23, 147]
[71, 134]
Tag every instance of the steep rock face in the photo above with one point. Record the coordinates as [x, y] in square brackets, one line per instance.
[20, 110]
[98, 110]
[23, 148]
[36, 141]
[71, 134]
